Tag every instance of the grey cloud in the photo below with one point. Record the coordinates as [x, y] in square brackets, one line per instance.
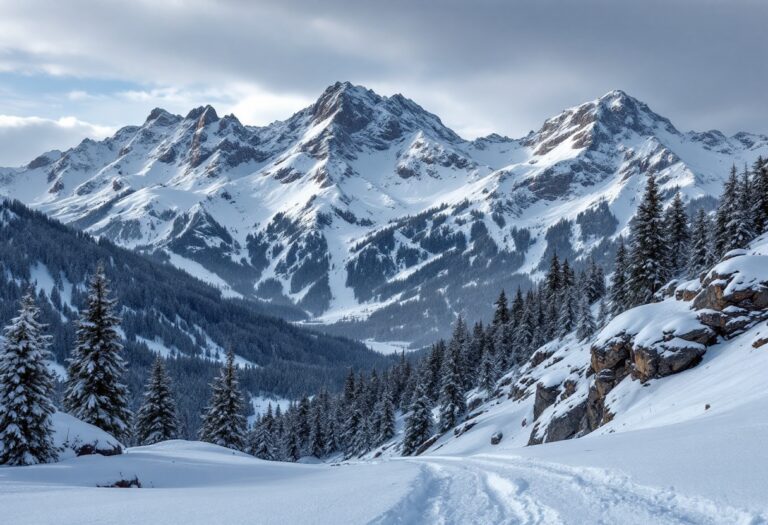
[481, 65]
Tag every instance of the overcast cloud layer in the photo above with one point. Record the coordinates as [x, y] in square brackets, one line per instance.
[76, 68]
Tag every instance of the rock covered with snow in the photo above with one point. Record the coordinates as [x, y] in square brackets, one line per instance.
[77, 438]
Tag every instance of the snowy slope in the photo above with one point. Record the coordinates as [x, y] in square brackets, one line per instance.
[367, 211]
[689, 370]
[648, 476]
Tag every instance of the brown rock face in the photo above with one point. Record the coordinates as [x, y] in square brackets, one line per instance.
[545, 396]
[662, 361]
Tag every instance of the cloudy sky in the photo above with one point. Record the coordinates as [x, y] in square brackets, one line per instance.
[82, 68]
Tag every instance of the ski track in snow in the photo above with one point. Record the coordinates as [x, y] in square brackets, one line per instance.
[508, 490]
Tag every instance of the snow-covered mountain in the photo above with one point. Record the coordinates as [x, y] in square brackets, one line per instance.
[367, 211]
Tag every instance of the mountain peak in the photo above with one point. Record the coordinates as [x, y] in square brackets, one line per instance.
[616, 110]
[205, 113]
[352, 105]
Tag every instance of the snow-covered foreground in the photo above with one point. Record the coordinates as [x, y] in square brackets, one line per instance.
[702, 471]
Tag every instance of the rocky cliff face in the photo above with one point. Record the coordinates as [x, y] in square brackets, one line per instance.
[654, 341]
[367, 211]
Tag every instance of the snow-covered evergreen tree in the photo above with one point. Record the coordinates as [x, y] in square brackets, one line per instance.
[489, 372]
[595, 281]
[261, 442]
[452, 402]
[725, 213]
[26, 389]
[501, 313]
[741, 227]
[760, 191]
[678, 235]
[385, 418]
[648, 269]
[586, 323]
[700, 257]
[418, 424]
[95, 392]
[156, 420]
[224, 423]
[619, 293]
[317, 434]
[603, 314]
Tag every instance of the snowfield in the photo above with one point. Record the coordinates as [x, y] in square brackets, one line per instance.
[708, 470]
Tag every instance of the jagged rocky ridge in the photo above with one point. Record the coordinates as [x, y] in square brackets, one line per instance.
[368, 212]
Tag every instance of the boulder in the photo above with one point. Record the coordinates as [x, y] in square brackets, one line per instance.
[545, 396]
[666, 358]
[496, 438]
[564, 426]
[613, 353]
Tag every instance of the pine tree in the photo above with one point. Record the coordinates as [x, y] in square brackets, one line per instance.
[523, 336]
[261, 442]
[501, 313]
[94, 389]
[677, 235]
[619, 292]
[489, 373]
[26, 388]
[474, 354]
[701, 246]
[434, 367]
[725, 214]
[567, 311]
[595, 281]
[156, 420]
[552, 279]
[452, 402]
[586, 324]
[385, 410]
[418, 424]
[647, 260]
[457, 346]
[603, 314]
[317, 434]
[741, 226]
[760, 202]
[224, 423]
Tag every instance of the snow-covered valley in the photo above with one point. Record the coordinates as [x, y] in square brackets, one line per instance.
[702, 471]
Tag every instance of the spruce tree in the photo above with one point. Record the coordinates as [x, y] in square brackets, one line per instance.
[701, 245]
[26, 388]
[603, 315]
[224, 423]
[619, 294]
[317, 434]
[595, 281]
[385, 418]
[261, 442]
[452, 403]
[586, 324]
[647, 259]
[677, 235]
[156, 420]
[95, 392]
[457, 346]
[725, 213]
[741, 227]
[418, 424]
[760, 190]
[501, 313]
[489, 373]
